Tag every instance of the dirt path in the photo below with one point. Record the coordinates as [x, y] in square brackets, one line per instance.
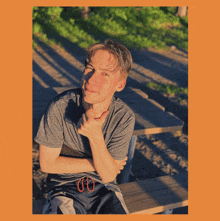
[155, 155]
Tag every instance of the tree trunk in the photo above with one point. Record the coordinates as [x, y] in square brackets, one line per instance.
[85, 12]
[182, 11]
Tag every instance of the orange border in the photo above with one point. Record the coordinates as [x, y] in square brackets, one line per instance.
[16, 111]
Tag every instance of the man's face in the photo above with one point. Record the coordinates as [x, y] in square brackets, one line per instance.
[99, 81]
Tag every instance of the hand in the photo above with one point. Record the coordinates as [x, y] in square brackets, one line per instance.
[90, 126]
[121, 164]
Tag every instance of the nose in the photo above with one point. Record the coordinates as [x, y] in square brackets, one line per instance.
[91, 77]
[87, 76]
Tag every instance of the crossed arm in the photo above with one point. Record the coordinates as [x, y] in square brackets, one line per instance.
[52, 162]
[102, 162]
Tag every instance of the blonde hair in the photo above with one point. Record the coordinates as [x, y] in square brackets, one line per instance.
[120, 52]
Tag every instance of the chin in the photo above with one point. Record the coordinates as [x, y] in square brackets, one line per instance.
[89, 99]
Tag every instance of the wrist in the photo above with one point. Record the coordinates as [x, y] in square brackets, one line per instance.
[96, 136]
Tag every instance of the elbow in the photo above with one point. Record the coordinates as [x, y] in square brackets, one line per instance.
[109, 175]
[46, 167]
[109, 178]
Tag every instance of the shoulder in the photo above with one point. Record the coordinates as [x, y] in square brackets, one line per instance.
[71, 94]
[65, 97]
[122, 109]
[67, 100]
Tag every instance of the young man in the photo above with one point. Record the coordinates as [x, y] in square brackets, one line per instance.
[97, 128]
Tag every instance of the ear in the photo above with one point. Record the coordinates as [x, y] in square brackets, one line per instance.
[121, 85]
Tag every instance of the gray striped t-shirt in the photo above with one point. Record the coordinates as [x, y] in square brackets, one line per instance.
[58, 126]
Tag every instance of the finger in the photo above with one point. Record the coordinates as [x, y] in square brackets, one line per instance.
[125, 159]
[123, 163]
[121, 167]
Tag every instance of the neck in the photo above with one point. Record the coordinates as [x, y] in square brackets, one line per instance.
[97, 108]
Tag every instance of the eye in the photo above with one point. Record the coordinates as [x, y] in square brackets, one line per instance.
[104, 74]
[88, 67]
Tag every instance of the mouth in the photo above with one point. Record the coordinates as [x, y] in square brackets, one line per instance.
[87, 89]
[90, 90]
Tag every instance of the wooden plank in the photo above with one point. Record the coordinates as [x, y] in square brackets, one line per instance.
[158, 130]
[151, 117]
[150, 106]
[139, 92]
[160, 119]
[156, 195]
[160, 209]
[134, 95]
[156, 104]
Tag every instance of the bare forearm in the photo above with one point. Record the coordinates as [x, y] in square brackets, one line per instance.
[91, 127]
[104, 163]
[68, 165]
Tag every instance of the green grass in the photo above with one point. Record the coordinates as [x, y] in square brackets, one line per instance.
[170, 90]
[136, 28]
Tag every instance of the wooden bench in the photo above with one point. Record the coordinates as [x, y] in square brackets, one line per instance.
[156, 195]
[148, 196]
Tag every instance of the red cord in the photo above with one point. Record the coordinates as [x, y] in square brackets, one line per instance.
[82, 185]
[88, 184]
[82, 179]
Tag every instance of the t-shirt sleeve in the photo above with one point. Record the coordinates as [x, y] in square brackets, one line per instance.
[119, 144]
[50, 132]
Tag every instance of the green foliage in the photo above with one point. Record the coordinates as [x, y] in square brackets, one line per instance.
[48, 13]
[140, 27]
[34, 12]
[36, 28]
[54, 12]
[171, 90]
[169, 10]
[135, 27]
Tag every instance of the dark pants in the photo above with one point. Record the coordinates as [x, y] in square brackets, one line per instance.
[88, 197]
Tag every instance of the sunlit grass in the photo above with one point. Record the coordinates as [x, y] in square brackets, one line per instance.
[170, 90]
[142, 27]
